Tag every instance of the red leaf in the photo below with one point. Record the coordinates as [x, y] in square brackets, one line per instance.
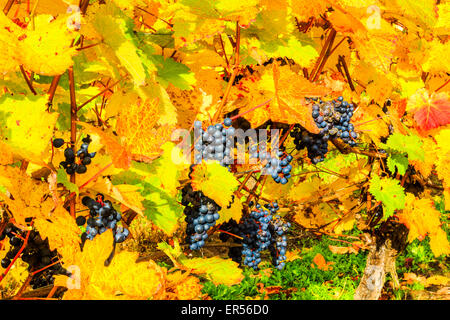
[433, 114]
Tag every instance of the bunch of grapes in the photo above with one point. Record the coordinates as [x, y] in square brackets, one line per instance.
[316, 144]
[333, 119]
[36, 254]
[256, 235]
[278, 244]
[201, 215]
[75, 162]
[215, 143]
[261, 229]
[277, 167]
[229, 228]
[103, 216]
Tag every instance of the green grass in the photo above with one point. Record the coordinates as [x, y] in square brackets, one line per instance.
[310, 283]
[338, 283]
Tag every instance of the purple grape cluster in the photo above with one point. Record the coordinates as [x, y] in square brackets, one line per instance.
[71, 165]
[315, 144]
[279, 168]
[256, 236]
[260, 230]
[333, 119]
[214, 143]
[201, 215]
[278, 244]
[103, 216]
[232, 227]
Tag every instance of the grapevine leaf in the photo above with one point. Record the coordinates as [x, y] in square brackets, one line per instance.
[397, 161]
[422, 219]
[389, 192]
[26, 197]
[215, 181]
[430, 111]
[158, 184]
[97, 281]
[218, 270]
[61, 230]
[409, 144]
[120, 154]
[175, 73]
[117, 32]
[26, 125]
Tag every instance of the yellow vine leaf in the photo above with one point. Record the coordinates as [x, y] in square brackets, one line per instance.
[233, 212]
[218, 270]
[215, 181]
[62, 232]
[369, 118]
[303, 10]
[127, 195]
[47, 49]
[184, 287]
[29, 127]
[426, 166]
[347, 22]
[9, 51]
[6, 156]
[139, 126]
[305, 190]
[422, 219]
[290, 90]
[443, 159]
[28, 196]
[113, 282]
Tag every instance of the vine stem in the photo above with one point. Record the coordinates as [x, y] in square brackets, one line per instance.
[8, 6]
[100, 93]
[250, 110]
[73, 131]
[46, 267]
[52, 90]
[233, 75]
[27, 80]
[229, 233]
[324, 55]
[347, 73]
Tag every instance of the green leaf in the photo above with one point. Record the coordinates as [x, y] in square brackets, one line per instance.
[389, 192]
[175, 73]
[162, 38]
[117, 32]
[411, 145]
[201, 8]
[61, 177]
[397, 161]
